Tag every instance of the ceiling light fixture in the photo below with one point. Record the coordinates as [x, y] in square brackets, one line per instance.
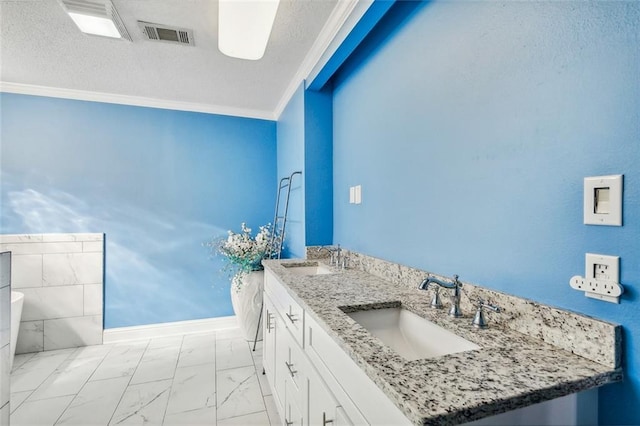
[244, 27]
[96, 17]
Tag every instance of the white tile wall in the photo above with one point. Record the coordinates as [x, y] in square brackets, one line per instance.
[61, 276]
[5, 335]
[27, 271]
[71, 269]
[92, 246]
[5, 356]
[5, 315]
[52, 302]
[72, 332]
[93, 299]
[30, 337]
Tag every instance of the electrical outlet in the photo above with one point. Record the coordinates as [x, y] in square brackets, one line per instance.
[596, 289]
[602, 267]
[601, 280]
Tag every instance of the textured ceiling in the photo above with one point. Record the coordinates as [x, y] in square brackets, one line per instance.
[41, 46]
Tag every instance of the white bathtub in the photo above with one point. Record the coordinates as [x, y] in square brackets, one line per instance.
[17, 299]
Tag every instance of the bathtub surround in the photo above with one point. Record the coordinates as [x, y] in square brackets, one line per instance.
[5, 334]
[61, 276]
[17, 302]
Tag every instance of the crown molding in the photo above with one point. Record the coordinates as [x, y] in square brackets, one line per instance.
[332, 27]
[320, 51]
[111, 98]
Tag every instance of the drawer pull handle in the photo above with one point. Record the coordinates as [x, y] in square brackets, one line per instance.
[324, 419]
[269, 324]
[287, 422]
[290, 367]
[292, 317]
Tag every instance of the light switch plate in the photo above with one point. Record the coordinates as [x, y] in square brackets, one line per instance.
[603, 200]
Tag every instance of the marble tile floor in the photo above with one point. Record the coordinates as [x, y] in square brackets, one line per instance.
[195, 380]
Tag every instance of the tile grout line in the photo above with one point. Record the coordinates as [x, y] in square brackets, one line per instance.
[215, 370]
[271, 421]
[47, 378]
[82, 387]
[173, 378]
[129, 382]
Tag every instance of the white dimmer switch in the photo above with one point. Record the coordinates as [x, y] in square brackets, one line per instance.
[603, 200]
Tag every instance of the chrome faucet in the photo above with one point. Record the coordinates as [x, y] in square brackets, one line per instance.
[478, 319]
[455, 288]
[334, 252]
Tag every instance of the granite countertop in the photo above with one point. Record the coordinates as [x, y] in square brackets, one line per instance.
[510, 371]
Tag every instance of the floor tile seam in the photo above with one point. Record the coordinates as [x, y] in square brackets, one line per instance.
[45, 379]
[242, 415]
[215, 369]
[64, 372]
[50, 397]
[138, 410]
[65, 409]
[234, 367]
[11, 410]
[271, 421]
[175, 368]
[98, 367]
[127, 386]
[16, 367]
[93, 381]
[215, 396]
[195, 365]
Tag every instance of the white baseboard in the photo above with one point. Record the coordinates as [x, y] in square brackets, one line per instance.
[152, 331]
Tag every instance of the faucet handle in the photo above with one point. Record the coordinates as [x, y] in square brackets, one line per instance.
[344, 264]
[478, 319]
[436, 303]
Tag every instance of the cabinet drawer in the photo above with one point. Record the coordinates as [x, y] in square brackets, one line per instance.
[294, 366]
[291, 312]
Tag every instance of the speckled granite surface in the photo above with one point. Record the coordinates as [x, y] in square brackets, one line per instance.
[511, 370]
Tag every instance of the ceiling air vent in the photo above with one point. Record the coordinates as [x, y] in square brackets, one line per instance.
[166, 33]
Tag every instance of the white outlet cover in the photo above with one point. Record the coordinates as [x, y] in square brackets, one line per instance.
[612, 263]
[612, 216]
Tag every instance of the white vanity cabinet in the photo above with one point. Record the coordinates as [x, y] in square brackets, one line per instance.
[299, 357]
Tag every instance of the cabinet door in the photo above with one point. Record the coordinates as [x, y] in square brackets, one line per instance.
[341, 418]
[269, 339]
[322, 406]
[281, 372]
[293, 414]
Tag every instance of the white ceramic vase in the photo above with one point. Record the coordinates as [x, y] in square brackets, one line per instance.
[247, 301]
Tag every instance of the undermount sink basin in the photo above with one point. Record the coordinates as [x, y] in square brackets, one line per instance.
[411, 336]
[308, 269]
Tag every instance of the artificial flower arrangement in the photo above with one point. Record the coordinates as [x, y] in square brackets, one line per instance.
[244, 253]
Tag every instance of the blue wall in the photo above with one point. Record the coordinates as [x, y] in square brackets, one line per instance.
[291, 159]
[473, 125]
[159, 183]
[318, 167]
[305, 144]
